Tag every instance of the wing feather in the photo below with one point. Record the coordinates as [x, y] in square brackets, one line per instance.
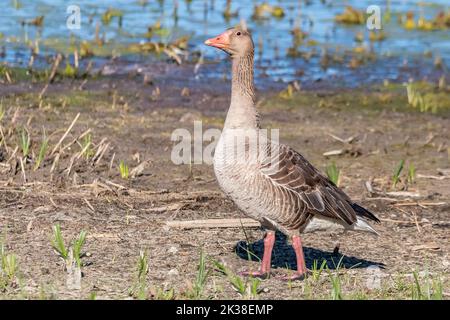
[292, 173]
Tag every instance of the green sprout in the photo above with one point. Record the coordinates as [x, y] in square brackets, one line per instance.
[139, 289]
[245, 287]
[316, 270]
[25, 142]
[397, 172]
[60, 247]
[77, 246]
[42, 152]
[86, 146]
[8, 267]
[58, 242]
[200, 280]
[124, 170]
[333, 173]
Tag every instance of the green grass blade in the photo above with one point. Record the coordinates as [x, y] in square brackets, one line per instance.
[78, 245]
[58, 242]
[42, 152]
[333, 173]
[397, 172]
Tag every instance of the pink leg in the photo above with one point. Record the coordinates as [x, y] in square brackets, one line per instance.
[301, 272]
[266, 262]
[298, 248]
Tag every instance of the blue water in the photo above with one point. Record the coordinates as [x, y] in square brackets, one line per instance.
[402, 50]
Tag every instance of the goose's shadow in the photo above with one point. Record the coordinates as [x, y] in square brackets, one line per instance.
[283, 255]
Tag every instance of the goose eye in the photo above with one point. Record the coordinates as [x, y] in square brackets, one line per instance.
[238, 34]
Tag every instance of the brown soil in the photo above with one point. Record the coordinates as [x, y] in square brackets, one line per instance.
[122, 217]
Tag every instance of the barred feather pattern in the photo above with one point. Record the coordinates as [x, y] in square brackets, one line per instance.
[242, 81]
[242, 112]
[278, 186]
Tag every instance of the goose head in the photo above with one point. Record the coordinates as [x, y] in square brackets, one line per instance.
[237, 42]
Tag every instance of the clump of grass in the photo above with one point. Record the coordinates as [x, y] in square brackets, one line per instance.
[238, 283]
[336, 291]
[254, 287]
[396, 176]
[42, 151]
[63, 251]
[142, 266]
[77, 246]
[430, 289]
[86, 146]
[69, 71]
[25, 142]
[124, 170]
[333, 173]
[336, 288]
[58, 242]
[316, 270]
[423, 102]
[139, 289]
[248, 288]
[8, 268]
[196, 292]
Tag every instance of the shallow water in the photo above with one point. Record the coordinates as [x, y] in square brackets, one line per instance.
[399, 57]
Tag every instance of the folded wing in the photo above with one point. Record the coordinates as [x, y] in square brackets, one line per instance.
[289, 172]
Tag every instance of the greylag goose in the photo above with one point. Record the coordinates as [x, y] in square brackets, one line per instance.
[268, 181]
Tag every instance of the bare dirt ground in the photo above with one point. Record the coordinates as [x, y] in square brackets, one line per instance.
[125, 216]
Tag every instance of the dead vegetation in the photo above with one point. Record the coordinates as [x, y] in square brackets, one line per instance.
[94, 165]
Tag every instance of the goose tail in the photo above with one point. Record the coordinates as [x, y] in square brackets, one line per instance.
[363, 212]
[362, 225]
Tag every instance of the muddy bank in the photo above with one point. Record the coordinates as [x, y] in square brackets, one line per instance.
[307, 41]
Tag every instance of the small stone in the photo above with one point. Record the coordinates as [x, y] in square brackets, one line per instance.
[173, 250]
[173, 273]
